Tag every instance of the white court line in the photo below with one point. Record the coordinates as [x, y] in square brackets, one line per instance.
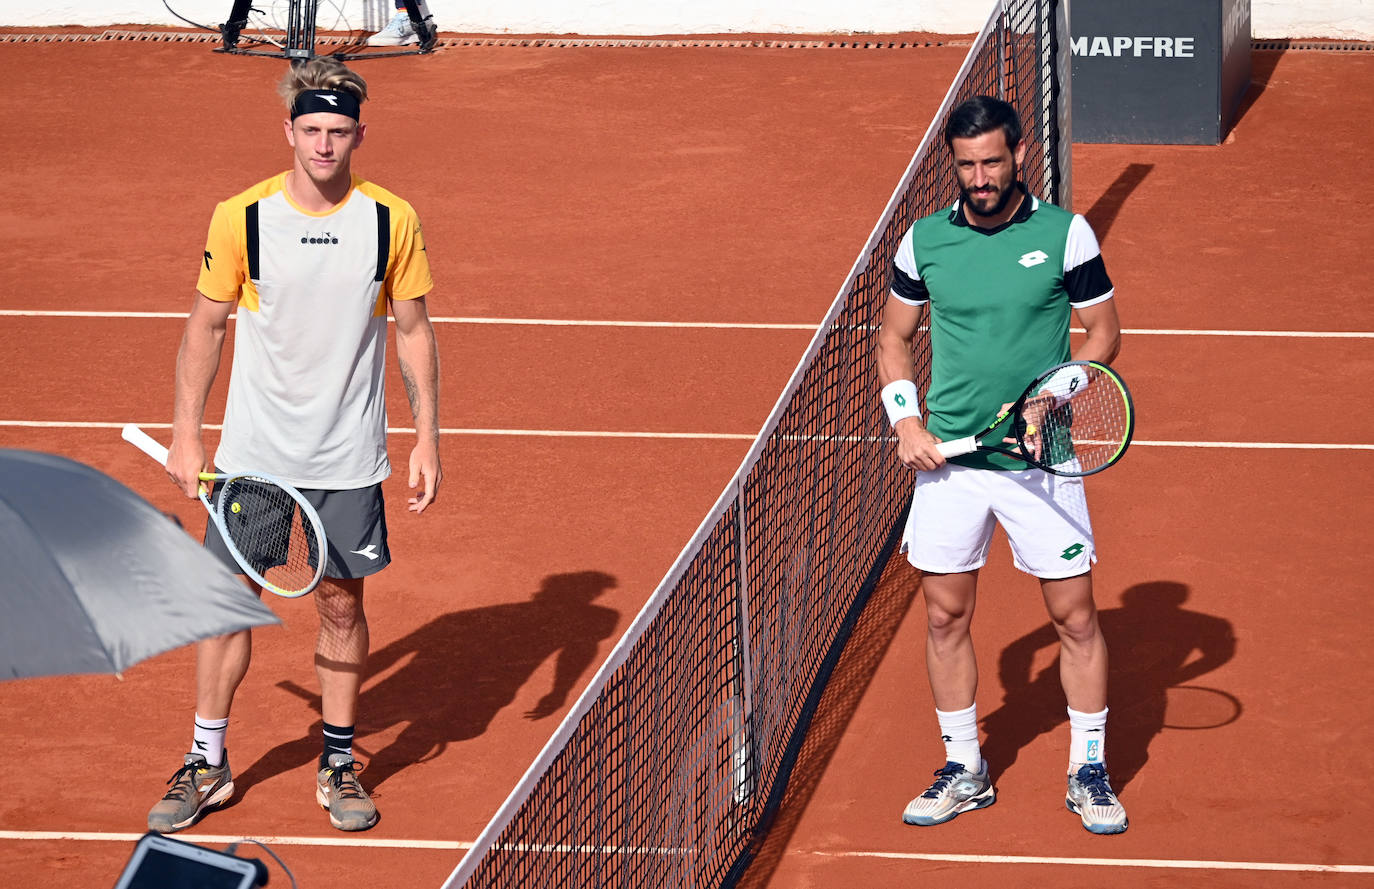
[708, 325]
[401, 430]
[442, 319]
[700, 436]
[362, 842]
[458, 845]
[365, 842]
[1162, 863]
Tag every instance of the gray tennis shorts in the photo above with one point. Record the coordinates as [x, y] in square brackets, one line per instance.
[354, 524]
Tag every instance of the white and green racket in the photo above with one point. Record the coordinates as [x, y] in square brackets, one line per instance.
[1075, 419]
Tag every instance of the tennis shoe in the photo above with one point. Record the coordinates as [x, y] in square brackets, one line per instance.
[1091, 798]
[398, 32]
[337, 789]
[196, 786]
[956, 790]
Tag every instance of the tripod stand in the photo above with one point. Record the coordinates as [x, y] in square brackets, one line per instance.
[300, 32]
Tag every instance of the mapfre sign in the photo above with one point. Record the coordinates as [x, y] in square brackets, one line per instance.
[1158, 71]
[1139, 47]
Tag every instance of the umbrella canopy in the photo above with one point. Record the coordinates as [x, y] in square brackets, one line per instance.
[93, 578]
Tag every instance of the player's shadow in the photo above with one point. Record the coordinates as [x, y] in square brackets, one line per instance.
[1154, 645]
[445, 681]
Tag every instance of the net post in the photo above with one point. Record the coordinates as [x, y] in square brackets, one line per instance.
[1062, 80]
[1002, 14]
[742, 754]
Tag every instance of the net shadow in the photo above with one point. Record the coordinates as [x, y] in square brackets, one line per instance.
[868, 644]
[1105, 209]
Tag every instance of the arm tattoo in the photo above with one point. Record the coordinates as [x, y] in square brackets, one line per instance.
[412, 390]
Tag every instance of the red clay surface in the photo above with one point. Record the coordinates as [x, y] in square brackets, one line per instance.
[722, 185]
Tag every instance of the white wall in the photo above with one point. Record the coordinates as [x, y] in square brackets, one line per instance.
[1349, 19]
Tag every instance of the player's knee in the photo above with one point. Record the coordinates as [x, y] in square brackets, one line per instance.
[946, 623]
[1079, 628]
[340, 614]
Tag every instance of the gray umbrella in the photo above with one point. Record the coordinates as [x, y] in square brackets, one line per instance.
[93, 578]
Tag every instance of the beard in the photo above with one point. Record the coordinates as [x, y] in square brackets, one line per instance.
[979, 205]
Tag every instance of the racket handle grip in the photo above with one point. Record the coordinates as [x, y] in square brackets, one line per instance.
[145, 443]
[958, 446]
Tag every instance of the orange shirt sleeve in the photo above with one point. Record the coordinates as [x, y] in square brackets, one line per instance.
[409, 276]
[222, 268]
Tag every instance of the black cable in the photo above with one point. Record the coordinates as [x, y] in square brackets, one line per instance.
[214, 30]
[290, 876]
[188, 21]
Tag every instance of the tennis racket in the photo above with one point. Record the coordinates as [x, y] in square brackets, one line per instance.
[1074, 419]
[268, 526]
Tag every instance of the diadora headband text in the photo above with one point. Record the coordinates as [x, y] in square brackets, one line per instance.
[333, 101]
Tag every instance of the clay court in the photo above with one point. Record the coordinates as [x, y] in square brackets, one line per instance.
[686, 213]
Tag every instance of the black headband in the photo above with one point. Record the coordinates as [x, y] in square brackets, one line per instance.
[332, 101]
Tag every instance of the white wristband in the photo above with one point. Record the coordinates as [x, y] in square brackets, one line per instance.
[1070, 385]
[900, 401]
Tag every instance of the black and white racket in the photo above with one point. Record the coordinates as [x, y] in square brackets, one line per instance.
[268, 526]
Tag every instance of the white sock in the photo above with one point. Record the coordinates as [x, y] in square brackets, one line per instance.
[1087, 739]
[209, 739]
[959, 731]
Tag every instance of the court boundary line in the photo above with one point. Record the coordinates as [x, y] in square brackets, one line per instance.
[704, 325]
[1159, 863]
[461, 845]
[362, 842]
[692, 436]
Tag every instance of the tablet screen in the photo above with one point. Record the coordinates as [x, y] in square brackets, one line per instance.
[159, 870]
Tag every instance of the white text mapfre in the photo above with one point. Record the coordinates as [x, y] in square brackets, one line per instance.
[1139, 47]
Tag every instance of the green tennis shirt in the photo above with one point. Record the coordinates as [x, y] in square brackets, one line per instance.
[1000, 305]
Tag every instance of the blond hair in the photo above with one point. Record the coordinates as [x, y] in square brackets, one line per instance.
[321, 73]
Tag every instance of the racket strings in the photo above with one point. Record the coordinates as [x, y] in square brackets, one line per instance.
[270, 531]
[1088, 422]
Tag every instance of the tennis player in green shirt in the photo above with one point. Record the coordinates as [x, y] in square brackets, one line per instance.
[1002, 274]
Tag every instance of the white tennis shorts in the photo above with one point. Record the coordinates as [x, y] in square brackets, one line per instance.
[955, 509]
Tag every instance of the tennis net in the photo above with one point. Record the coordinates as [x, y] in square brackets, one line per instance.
[669, 767]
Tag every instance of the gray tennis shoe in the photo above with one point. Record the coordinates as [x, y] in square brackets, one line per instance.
[337, 789]
[196, 786]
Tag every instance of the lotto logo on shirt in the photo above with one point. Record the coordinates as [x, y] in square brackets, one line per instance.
[321, 238]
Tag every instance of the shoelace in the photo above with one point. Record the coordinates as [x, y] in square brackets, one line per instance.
[1099, 791]
[183, 781]
[345, 774]
[943, 777]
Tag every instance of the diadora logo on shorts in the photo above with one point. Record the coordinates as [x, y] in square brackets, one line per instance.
[322, 238]
[1033, 258]
[369, 551]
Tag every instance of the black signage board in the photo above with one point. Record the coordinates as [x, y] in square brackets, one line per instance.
[1169, 72]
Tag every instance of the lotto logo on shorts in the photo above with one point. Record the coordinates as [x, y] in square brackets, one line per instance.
[1072, 552]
